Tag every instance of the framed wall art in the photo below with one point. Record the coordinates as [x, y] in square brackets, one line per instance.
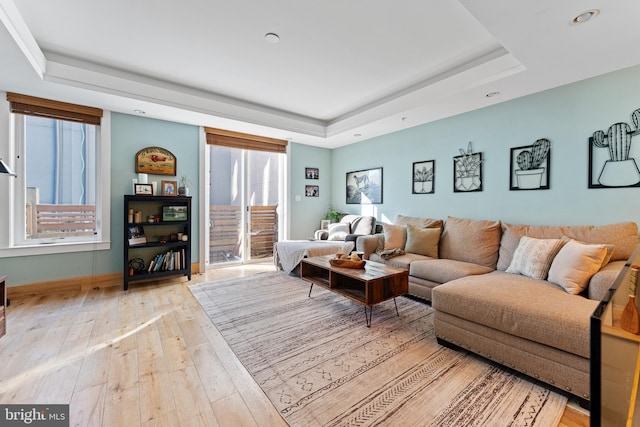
[156, 161]
[364, 187]
[530, 166]
[312, 191]
[612, 155]
[467, 171]
[311, 173]
[424, 181]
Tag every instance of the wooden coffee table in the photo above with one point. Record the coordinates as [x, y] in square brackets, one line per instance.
[369, 286]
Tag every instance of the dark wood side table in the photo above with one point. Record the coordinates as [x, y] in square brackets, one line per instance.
[3, 307]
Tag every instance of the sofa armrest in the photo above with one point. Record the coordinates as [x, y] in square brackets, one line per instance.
[368, 244]
[321, 235]
[602, 281]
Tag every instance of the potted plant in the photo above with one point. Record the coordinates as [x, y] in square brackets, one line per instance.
[529, 175]
[333, 215]
[183, 189]
[467, 166]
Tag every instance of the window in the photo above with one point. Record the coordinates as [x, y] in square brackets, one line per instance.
[61, 162]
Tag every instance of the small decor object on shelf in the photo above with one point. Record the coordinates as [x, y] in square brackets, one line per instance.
[530, 166]
[324, 224]
[183, 190]
[143, 189]
[169, 188]
[467, 171]
[156, 161]
[630, 320]
[136, 235]
[617, 164]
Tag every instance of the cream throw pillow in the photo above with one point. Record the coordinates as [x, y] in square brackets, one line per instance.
[533, 257]
[423, 241]
[394, 236]
[338, 231]
[575, 264]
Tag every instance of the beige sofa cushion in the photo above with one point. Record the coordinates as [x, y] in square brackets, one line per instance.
[395, 236]
[400, 261]
[444, 270]
[575, 264]
[422, 241]
[419, 222]
[624, 236]
[528, 308]
[471, 241]
[533, 257]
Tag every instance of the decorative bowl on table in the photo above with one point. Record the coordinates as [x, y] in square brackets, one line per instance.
[345, 261]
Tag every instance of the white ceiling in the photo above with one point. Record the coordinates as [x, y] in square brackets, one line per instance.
[341, 68]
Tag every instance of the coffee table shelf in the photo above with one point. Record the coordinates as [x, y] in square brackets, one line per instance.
[369, 286]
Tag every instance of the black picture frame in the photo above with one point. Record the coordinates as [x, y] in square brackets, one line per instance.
[467, 173]
[311, 173]
[525, 174]
[312, 191]
[174, 213]
[364, 187]
[143, 189]
[423, 180]
[602, 169]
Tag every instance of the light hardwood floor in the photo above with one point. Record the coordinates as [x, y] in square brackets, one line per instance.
[146, 357]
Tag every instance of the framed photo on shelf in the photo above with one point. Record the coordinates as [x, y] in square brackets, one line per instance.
[312, 191]
[143, 189]
[311, 173]
[364, 187]
[169, 188]
[324, 224]
[174, 213]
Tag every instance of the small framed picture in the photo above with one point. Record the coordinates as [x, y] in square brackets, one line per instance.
[324, 224]
[174, 213]
[169, 188]
[311, 173]
[143, 189]
[311, 191]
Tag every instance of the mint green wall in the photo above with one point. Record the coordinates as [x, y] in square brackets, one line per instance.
[128, 135]
[567, 116]
[305, 214]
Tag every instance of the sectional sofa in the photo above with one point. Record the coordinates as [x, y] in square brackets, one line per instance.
[520, 295]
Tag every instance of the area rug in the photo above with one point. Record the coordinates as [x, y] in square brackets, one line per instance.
[320, 365]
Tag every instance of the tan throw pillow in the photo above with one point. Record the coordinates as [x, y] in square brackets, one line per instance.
[575, 264]
[469, 240]
[338, 231]
[608, 255]
[533, 257]
[394, 236]
[422, 241]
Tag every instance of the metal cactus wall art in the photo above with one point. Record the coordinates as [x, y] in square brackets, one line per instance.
[467, 171]
[533, 166]
[620, 170]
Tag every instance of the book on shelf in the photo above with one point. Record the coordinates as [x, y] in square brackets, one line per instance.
[136, 235]
[168, 261]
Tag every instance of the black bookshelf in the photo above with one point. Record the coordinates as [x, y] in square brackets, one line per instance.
[159, 248]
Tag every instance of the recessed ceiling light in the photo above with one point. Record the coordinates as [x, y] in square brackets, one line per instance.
[585, 16]
[492, 94]
[140, 111]
[357, 135]
[272, 38]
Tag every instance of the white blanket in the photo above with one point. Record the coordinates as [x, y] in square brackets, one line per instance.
[288, 254]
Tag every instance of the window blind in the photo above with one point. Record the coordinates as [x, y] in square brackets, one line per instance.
[40, 107]
[244, 141]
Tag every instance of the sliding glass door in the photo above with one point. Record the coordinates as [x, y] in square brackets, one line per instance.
[245, 204]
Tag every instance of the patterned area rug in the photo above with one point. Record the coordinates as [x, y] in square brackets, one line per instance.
[321, 366]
